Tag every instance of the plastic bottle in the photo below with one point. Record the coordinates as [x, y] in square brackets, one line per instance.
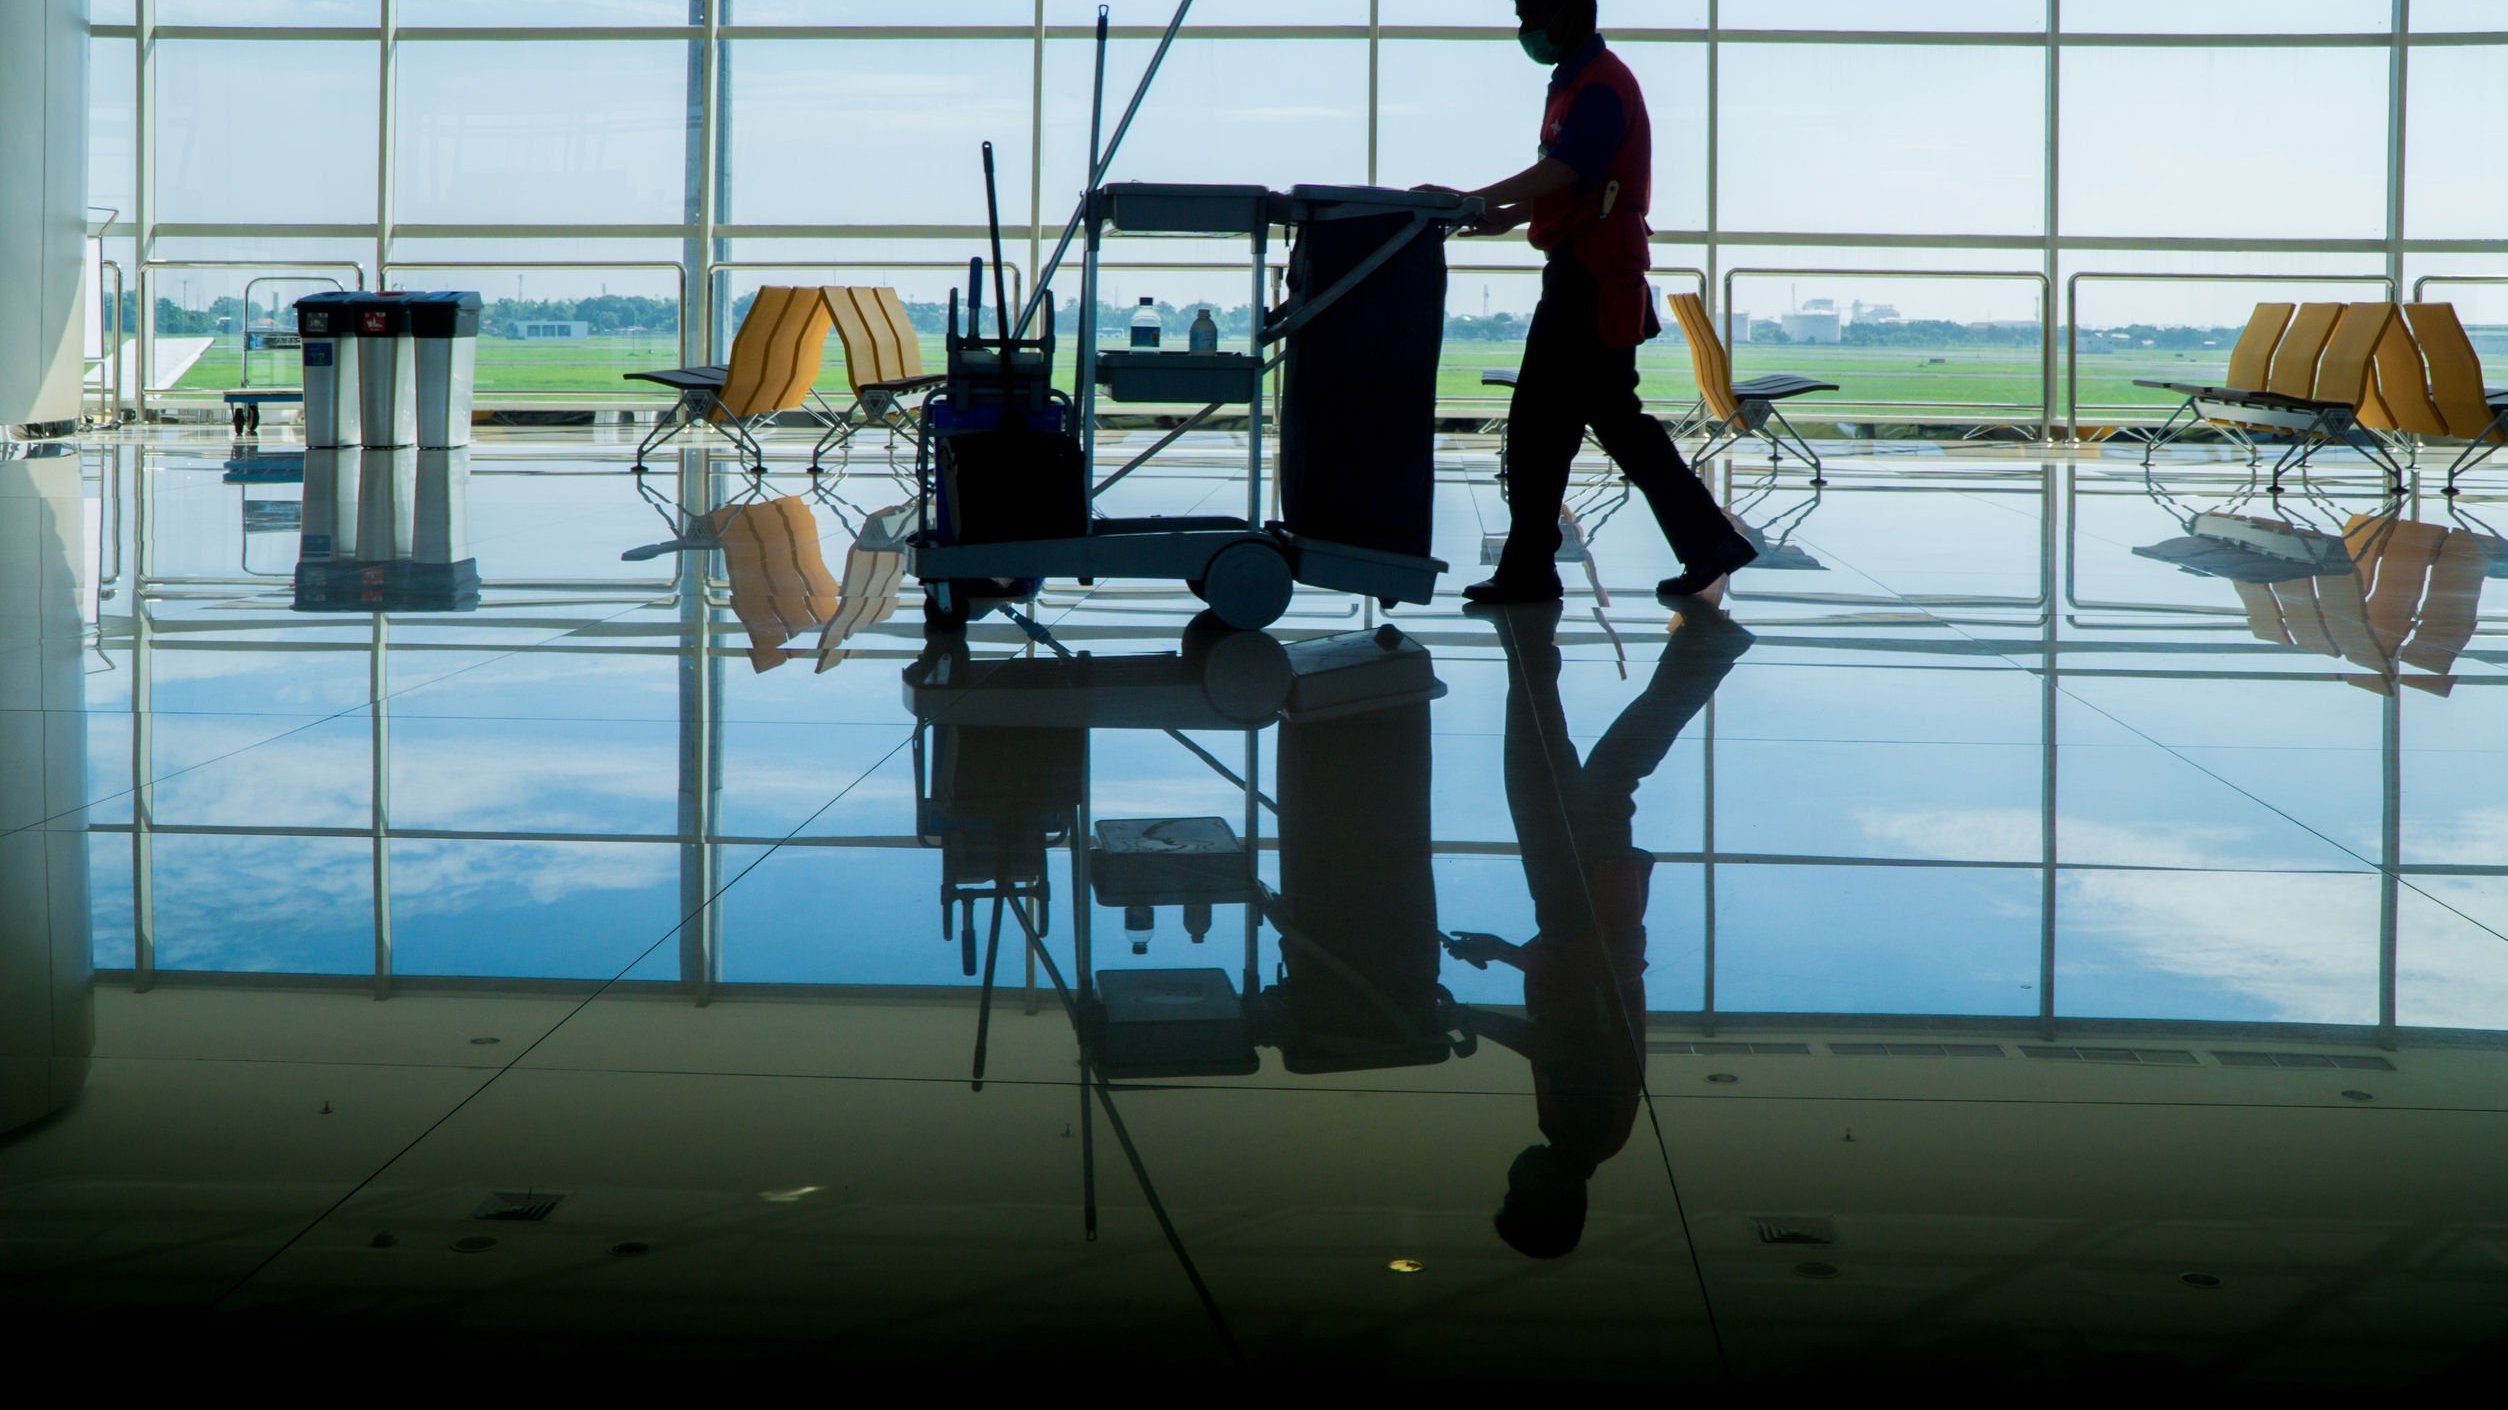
[1205, 335]
[1139, 923]
[1146, 326]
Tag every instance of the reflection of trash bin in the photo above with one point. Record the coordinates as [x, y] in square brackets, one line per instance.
[327, 326]
[387, 371]
[445, 328]
[440, 575]
[386, 529]
[329, 520]
[387, 503]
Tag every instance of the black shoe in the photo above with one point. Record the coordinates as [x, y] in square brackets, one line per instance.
[1539, 617]
[1735, 553]
[1498, 591]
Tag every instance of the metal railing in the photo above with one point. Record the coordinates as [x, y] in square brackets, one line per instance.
[147, 310]
[2046, 334]
[679, 294]
[109, 336]
[2420, 285]
[2072, 318]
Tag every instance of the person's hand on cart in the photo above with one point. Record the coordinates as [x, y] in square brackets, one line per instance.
[1494, 219]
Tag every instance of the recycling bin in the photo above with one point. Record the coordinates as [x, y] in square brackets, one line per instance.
[387, 371]
[445, 329]
[327, 327]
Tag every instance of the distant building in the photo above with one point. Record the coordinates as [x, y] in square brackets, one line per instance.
[1875, 313]
[1741, 326]
[549, 330]
[1810, 325]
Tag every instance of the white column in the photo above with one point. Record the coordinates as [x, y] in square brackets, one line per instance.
[47, 1007]
[43, 223]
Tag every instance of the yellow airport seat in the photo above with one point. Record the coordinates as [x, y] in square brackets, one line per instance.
[2472, 415]
[775, 357]
[1728, 411]
[883, 365]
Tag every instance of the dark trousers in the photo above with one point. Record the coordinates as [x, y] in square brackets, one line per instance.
[1571, 382]
[1574, 819]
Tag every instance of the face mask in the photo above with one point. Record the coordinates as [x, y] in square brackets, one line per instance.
[1538, 45]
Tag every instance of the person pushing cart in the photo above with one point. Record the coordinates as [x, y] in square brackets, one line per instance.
[1585, 202]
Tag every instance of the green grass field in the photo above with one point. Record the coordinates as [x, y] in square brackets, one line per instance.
[1870, 379]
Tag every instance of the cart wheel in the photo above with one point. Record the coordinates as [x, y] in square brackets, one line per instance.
[252, 418]
[1247, 585]
[237, 417]
[944, 607]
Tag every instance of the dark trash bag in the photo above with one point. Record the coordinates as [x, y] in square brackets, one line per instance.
[1010, 485]
[1358, 416]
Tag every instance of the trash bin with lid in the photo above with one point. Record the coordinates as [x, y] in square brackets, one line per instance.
[445, 328]
[327, 328]
[387, 371]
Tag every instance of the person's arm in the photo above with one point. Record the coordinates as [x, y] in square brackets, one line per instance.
[1477, 949]
[1546, 177]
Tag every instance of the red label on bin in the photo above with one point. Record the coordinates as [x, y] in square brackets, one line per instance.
[378, 321]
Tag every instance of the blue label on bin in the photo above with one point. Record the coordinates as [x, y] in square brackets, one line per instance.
[317, 354]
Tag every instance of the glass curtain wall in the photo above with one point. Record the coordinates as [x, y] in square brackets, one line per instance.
[1924, 201]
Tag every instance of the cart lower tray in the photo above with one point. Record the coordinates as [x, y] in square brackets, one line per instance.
[1246, 574]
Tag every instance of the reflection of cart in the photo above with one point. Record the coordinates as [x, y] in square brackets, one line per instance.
[1365, 317]
[1002, 752]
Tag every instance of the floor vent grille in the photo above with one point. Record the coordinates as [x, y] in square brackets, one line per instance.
[2303, 1060]
[517, 1206]
[1677, 1048]
[2147, 1057]
[1924, 1050]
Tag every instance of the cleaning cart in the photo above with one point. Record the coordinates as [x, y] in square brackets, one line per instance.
[1008, 466]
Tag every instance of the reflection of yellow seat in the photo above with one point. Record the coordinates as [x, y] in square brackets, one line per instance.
[2471, 413]
[1729, 411]
[780, 585]
[2409, 595]
[774, 359]
[883, 364]
[873, 584]
[2449, 611]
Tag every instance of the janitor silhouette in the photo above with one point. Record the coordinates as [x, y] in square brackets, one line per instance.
[1586, 201]
[1584, 971]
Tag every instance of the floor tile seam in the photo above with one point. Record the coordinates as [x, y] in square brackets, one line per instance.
[229, 1060]
[2191, 763]
[1048, 1084]
[493, 1075]
[2401, 878]
[2363, 1109]
[309, 723]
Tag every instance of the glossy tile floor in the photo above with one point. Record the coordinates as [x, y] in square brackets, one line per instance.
[2048, 923]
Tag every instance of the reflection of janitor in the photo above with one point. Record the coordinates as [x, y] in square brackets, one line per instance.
[1586, 201]
[1584, 971]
